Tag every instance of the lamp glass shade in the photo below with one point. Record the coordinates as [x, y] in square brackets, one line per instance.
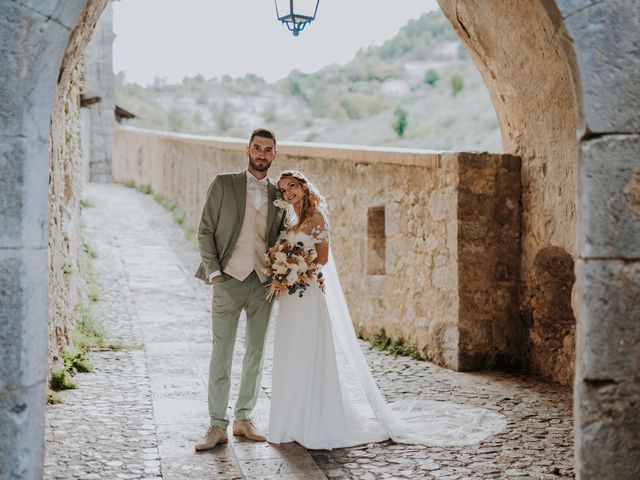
[296, 10]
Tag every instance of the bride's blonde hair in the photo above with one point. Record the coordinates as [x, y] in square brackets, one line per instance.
[312, 202]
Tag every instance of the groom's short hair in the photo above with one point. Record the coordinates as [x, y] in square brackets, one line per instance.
[264, 133]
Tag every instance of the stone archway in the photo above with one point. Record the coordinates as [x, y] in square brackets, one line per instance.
[41, 43]
[579, 170]
[527, 69]
[557, 72]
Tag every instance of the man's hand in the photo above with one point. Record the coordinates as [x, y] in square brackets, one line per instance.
[215, 280]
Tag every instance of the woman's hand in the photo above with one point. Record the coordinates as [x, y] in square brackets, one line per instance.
[279, 286]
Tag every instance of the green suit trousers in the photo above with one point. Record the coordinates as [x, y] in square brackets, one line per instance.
[230, 297]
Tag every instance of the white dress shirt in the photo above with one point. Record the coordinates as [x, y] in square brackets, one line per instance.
[258, 192]
[257, 189]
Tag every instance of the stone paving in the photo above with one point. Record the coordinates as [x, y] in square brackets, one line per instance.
[140, 412]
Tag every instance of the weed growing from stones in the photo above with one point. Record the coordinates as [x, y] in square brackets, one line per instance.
[398, 347]
[61, 380]
[91, 253]
[76, 362]
[179, 216]
[53, 398]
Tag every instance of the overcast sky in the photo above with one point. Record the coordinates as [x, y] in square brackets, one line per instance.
[178, 38]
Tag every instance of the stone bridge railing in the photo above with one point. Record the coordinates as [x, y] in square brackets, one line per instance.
[427, 243]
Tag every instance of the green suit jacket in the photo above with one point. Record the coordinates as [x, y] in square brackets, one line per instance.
[222, 218]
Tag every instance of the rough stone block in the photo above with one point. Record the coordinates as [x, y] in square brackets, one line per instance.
[35, 329]
[569, 7]
[605, 39]
[22, 432]
[607, 425]
[23, 317]
[608, 338]
[11, 318]
[30, 66]
[66, 14]
[608, 208]
[12, 154]
[14, 68]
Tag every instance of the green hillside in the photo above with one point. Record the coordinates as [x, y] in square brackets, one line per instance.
[418, 89]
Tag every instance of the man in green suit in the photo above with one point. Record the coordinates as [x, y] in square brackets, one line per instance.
[239, 223]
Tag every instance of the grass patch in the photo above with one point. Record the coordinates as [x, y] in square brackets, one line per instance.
[88, 334]
[61, 380]
[92, 288]
[91, 253]
[53, 398]
[146, 189]
[398, 347]
[179, 216]
[93, 294]
[76, 362]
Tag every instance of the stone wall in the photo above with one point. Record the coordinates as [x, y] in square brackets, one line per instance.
[100, 122]
[427, 244]
[489, 253]
[67, 265]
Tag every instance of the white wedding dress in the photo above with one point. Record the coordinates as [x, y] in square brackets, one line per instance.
[323, 395]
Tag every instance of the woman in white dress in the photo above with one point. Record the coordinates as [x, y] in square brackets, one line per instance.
[323, 393]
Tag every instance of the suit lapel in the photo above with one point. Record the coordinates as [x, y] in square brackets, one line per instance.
[240, 189]
[271, 209]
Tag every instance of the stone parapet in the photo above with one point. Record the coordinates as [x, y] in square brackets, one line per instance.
[427, 243]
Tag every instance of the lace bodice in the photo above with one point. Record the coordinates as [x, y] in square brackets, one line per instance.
[313, 232]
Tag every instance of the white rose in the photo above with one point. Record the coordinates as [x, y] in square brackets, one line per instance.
[294, 267]
[292, 277]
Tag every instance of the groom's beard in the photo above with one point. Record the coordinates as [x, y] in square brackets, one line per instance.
[263, 166]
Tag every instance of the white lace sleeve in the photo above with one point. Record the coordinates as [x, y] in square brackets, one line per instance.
[320, 229]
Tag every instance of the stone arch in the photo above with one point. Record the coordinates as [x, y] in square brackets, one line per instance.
[41, 42]
[527, 67]
[552, 332]
[585, 61]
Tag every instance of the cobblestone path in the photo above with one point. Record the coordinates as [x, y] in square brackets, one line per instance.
[140, 412]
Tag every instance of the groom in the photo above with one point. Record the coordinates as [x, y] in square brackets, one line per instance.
[239, 223]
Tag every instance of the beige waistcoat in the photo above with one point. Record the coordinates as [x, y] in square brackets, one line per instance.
[251, 245]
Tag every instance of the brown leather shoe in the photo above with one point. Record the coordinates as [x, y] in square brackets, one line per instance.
[247, 429]
[213, 437]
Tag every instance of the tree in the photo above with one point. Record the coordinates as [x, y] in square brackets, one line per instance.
[224, 117]
[431, 77]
[350, 109]
[457, 84]
[400, 123]
[175, 120]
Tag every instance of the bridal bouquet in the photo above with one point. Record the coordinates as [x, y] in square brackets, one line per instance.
[289, 266]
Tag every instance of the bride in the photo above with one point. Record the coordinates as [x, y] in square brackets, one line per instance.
[323, 393]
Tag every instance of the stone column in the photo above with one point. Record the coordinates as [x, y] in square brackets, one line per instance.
[607, 386]
[100, 83]
[34, 36]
